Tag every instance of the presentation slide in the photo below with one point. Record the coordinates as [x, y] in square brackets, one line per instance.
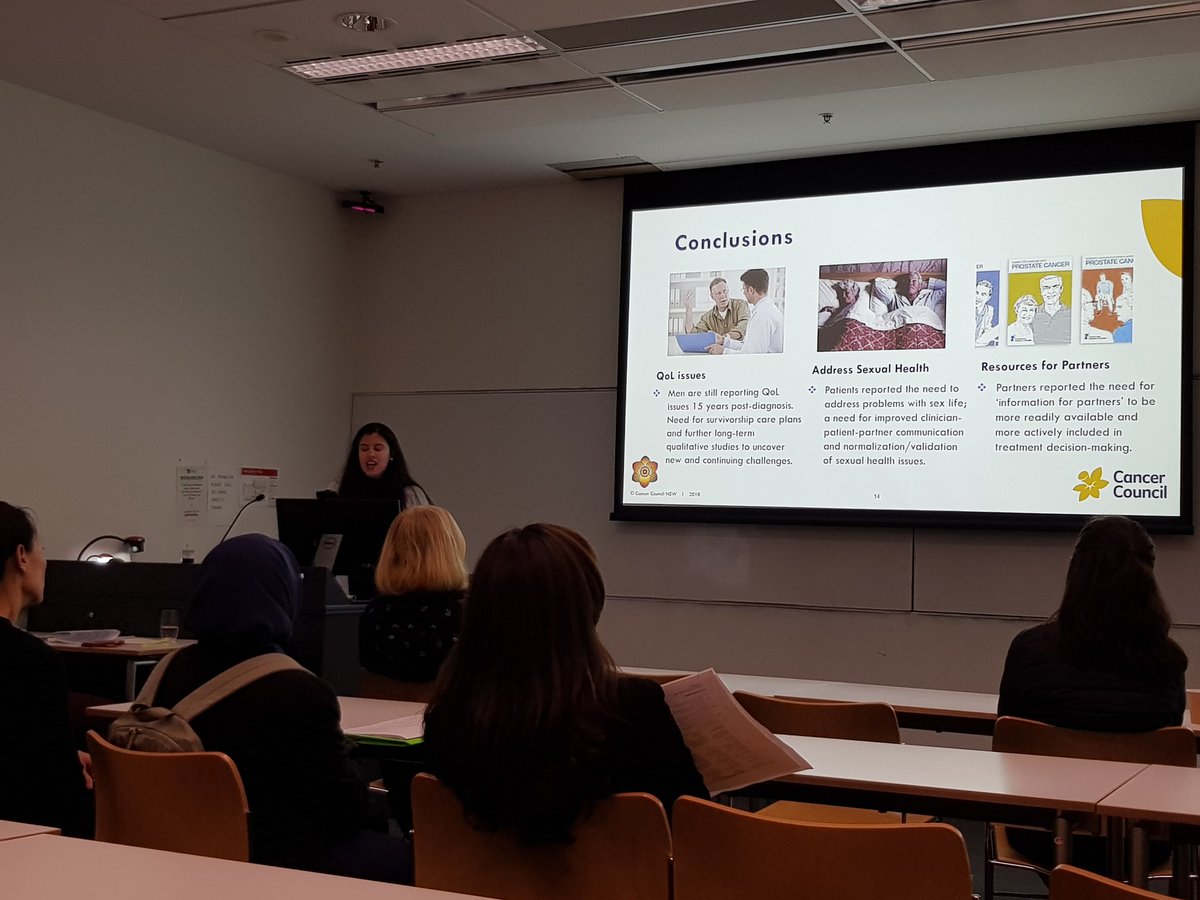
[959, 349]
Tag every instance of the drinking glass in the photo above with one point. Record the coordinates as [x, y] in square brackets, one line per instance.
[168, 624]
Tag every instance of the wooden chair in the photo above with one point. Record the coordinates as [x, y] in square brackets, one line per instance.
[851, 721]
[1069, 883]
[722, 853]
[185, 802]
[623, 849]
[380, 687]
[830, 719]
[1175, 746]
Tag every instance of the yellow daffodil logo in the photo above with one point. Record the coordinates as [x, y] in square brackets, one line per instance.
[1091, 484]
[645, 471]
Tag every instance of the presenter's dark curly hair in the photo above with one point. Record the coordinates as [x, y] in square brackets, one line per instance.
[518, 718]
[1112, 617]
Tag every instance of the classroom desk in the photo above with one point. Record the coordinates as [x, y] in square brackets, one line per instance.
[945, 781]
[11, 830]
[134, 655]
[50, 868]
[975, 784]
[962, 712]
[925, 709]
[1167, 794]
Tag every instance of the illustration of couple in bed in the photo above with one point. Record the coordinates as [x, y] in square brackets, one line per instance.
[882, 306]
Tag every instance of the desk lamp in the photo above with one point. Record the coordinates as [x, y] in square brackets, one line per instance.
[133, 544]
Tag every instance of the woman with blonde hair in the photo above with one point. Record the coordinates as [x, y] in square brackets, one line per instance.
[409, 627]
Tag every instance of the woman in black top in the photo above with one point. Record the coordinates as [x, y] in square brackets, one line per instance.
[41, 777]
[530, 723]
[308, 804]
[1105, 660]
[375, 469]
[410, 626]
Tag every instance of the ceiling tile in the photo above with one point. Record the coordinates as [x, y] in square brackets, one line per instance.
[1051, 51]
[942, 18]
[166, 9]
[523, 112]
[526, 15]
[780, 82]
[317, 34]
[644, 57]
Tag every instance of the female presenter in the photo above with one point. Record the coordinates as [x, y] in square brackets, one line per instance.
[375, 470]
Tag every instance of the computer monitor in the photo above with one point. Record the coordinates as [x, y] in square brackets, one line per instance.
[344, 536]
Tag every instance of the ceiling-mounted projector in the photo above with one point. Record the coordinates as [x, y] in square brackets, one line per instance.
[364, 205]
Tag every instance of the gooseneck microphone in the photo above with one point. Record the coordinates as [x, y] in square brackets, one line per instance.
[257, 498]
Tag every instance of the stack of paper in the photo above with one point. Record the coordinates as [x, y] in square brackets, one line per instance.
[391, 732]
[730, 748]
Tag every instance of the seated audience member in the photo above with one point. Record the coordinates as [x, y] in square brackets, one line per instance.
[530, 723]
[307, 802]
[1103, 662]
[409, 627]
[42, 777]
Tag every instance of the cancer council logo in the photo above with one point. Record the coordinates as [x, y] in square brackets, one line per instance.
[645, 471]
[1091, 484]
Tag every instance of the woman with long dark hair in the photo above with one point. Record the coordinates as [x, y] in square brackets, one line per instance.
[1105, 660]
[530, 722]
[375, 469]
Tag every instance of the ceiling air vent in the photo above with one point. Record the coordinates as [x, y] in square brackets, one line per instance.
[591, 169]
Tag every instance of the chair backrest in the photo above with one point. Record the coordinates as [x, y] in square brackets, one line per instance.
[1175, 746]
[623, 849]
[380, 687]
[185, 802]
[852, 721]
[722, 852]
[1070, 883]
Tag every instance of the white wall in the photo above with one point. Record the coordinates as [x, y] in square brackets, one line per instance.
[522, 291]
[159, 303]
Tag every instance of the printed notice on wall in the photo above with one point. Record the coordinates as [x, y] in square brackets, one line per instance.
[191, 494]
[257, 480]
[223, 490]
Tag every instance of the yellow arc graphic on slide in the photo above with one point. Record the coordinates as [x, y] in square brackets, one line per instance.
[1163, 222]
[1091, 484]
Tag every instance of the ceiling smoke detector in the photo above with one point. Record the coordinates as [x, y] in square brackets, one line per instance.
[366, 22]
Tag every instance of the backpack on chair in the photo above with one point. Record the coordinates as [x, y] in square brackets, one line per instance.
[157, 729]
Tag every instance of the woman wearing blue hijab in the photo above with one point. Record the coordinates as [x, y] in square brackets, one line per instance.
[308, 804]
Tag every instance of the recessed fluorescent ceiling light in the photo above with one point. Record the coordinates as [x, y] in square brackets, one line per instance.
[416, 57]
[873, 5]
